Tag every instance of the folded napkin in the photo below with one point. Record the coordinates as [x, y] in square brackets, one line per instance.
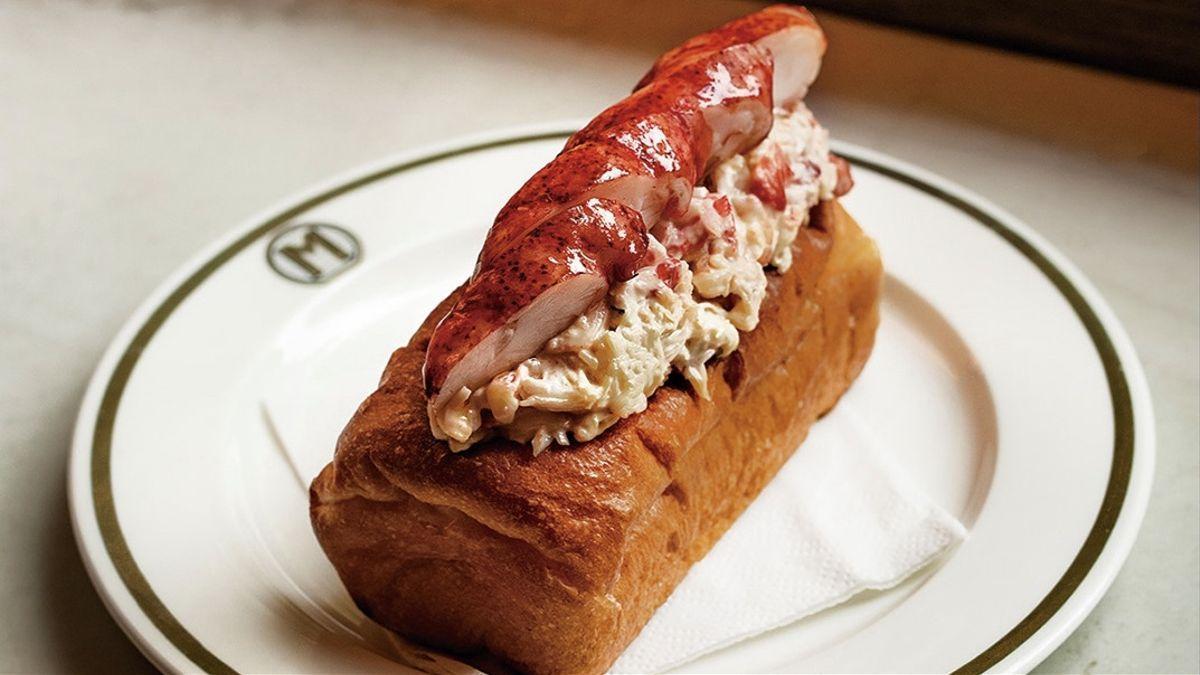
[839, 518]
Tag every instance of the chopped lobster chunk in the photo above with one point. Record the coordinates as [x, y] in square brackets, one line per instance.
[770, 176]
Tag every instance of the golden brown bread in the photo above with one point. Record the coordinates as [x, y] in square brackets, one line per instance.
[553, 563]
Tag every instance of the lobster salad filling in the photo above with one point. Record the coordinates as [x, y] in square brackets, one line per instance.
[704, 280]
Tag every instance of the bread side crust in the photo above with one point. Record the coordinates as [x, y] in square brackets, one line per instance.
[553, 564]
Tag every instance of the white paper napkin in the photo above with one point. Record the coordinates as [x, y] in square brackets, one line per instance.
[838, 519]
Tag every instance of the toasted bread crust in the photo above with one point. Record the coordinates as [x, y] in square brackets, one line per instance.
[553, 563]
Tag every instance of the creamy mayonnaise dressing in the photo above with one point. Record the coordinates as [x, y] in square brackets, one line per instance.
[706, 281]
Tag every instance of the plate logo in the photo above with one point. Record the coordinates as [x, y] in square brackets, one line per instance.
[312, 253]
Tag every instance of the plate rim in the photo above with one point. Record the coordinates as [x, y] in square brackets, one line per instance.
[1085, 581]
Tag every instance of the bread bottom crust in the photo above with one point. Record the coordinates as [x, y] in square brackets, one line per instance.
[422, 560]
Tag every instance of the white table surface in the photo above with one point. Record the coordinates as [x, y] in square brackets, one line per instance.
[132, 133]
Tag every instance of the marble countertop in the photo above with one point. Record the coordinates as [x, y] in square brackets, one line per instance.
[135, 132]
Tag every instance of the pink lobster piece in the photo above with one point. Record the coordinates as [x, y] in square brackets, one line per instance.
[790, 34]
[532, 292]
[722, 99]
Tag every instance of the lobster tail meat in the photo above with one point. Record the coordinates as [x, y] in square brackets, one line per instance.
[722, 99]
[789, 34]
[532, 292]
[600, 169]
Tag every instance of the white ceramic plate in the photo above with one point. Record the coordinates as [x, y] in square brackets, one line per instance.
[1000, 379]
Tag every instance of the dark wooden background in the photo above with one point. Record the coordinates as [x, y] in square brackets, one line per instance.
[1156, 39]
